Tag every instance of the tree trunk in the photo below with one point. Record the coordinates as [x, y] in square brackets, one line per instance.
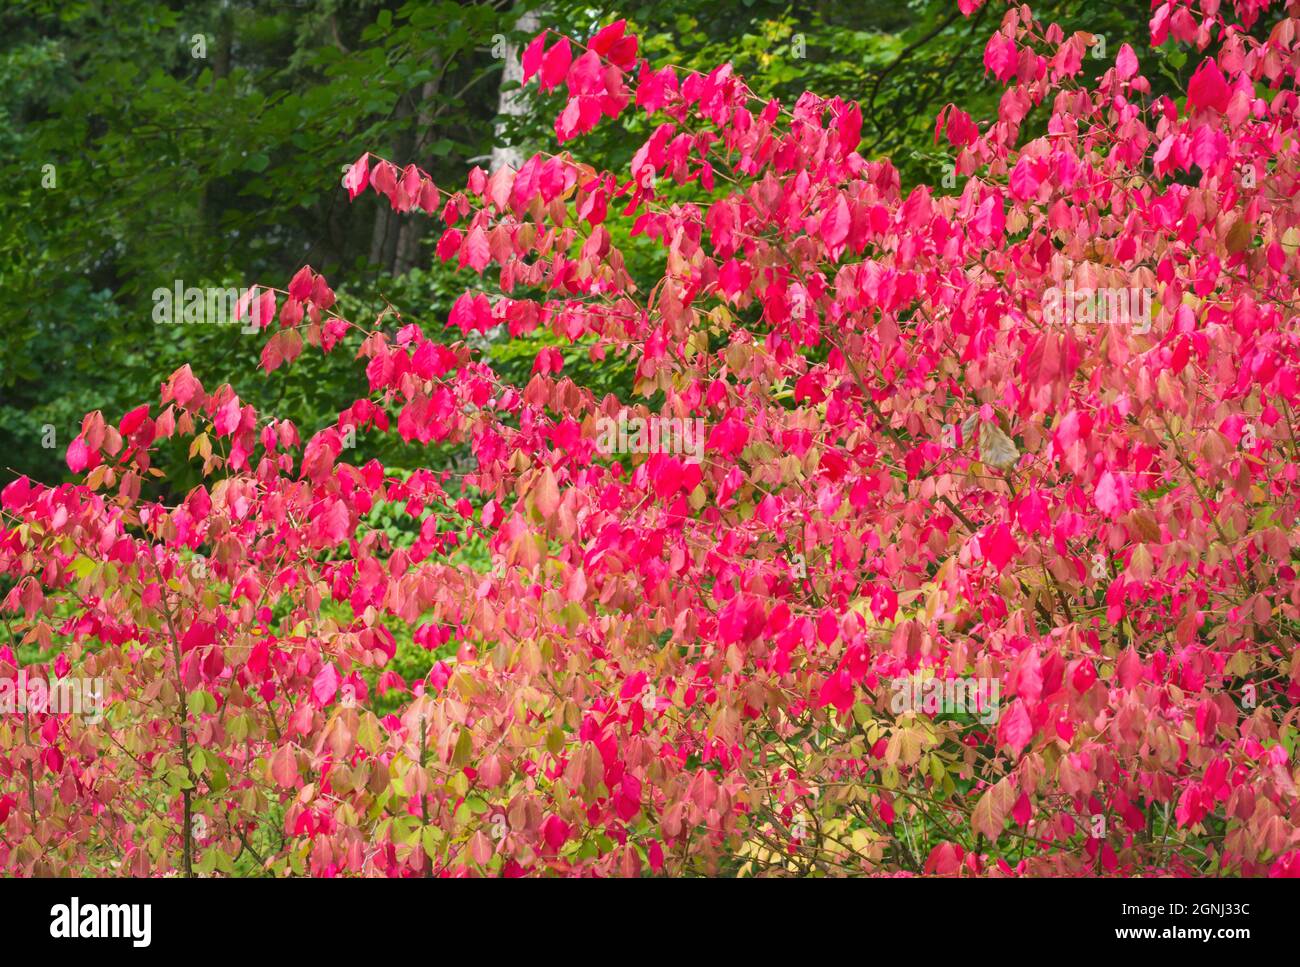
[513, 101]
[413, 227]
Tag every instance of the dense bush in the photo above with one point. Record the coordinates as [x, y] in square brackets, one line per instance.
[1030, 437]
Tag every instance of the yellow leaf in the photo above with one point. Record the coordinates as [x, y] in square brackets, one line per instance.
[996, 448]
[1291, 240]
[991, 811]
[1239, 236]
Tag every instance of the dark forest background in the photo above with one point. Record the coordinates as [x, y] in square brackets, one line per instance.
[146, 142]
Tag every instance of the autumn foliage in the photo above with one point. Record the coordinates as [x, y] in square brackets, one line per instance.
[675, 667]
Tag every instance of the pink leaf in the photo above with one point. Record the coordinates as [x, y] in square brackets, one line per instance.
[1126, 63]
[1016, 728]
[325, 685]
[284, 767]
[79, 455]
[357, 177]
[555, 65]
[998, 546]
[532, 58]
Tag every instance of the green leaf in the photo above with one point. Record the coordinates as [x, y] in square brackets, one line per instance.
[554, 741]
[430, 839]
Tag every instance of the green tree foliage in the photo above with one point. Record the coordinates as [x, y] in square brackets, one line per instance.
[150, 142]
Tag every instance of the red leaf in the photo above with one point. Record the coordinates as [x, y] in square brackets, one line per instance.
[555, 65]
[532, 59]
[358, 176]
[476, 254]
[999, 547]
[300, 284]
